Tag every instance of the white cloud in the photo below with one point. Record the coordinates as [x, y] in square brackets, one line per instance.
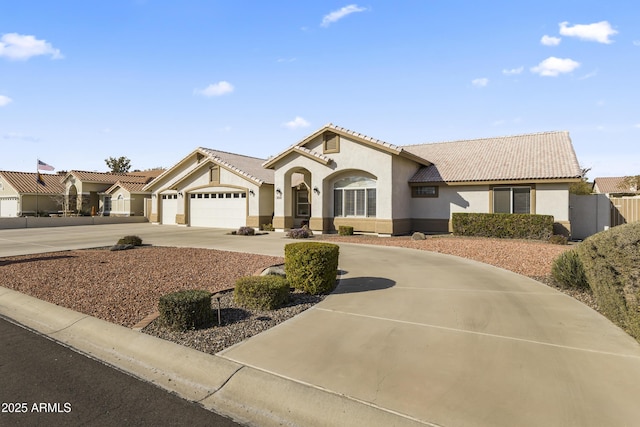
[5, 100]
[482, 82]
[550, 41]
[636, 42]
[552, 66]
[589, 75]
[296, 123]
[20, 137]
[216, 89]
[336, 15]
[637, 126]
[512, 71]
[596, 32]
[20, 47]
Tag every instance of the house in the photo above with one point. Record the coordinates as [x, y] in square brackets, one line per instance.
[210, 188]
[21, 194]
[615, 186]
[87, 192]
[124, 199]
[336, 176]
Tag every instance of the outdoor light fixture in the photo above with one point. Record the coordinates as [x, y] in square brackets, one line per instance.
[278, 192]
[315, 190]
[252, 193]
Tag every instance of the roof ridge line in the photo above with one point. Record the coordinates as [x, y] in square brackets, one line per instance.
[487, 138]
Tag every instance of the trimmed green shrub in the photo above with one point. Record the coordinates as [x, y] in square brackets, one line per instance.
[611, 261]
[311, 266]
[261, 292]
[182, 310]
[345, 230]
[267, 227]
[130, 240]
[558, 239]
[512, 226]
[246, 231]
[568, 272]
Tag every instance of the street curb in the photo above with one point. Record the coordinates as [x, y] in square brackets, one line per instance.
[244, 393]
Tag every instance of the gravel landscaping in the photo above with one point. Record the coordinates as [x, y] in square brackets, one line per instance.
[123, 287]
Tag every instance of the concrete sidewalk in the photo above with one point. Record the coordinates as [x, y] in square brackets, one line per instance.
[408, 338]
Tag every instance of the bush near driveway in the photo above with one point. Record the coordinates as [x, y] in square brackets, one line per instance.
[184, 310]
[612, 265]
[261, 292]
[311, 266]
[568, 272]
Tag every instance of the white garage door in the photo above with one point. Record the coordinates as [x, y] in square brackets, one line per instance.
[9, 207]
[220, 210]
[169, 208]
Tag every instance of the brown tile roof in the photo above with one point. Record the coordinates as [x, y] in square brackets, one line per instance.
[250, 167]
[613, 184]
[25, 182]
[547, 155]
[131, 187]
[110, 178]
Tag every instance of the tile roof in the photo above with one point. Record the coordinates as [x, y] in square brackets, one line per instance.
[250, 167]
[613, 184]
[131, 187]
[25, 182]
[110, 178]
[365, 137]
[546, 155]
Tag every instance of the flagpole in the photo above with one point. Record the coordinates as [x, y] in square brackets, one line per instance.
[37, 184]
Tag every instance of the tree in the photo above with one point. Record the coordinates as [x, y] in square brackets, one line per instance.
[583, 187]
[630, 183]
[119, 165]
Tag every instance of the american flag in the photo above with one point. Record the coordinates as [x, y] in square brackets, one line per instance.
[42, 166]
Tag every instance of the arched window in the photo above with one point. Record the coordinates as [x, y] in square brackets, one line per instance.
[354, 196]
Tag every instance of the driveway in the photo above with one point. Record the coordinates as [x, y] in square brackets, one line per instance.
[411, 337]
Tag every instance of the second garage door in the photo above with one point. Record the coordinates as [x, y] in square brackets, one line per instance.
[220, 210]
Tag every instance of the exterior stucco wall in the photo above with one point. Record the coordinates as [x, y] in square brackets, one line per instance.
[467, 198]
[43, 203]
[553, 199]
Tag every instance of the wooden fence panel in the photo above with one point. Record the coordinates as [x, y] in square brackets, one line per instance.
[624, 210]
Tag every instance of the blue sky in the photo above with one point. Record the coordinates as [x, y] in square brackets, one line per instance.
[152, 80]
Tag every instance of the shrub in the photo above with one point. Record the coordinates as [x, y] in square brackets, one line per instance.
[611, 261]
[246, 231]
[558, 239]
[345, 230]
[568, 272]
[262, 292]
[130, 240]
[187, 309]
[514, 226]
[299, 233]
[268, 227]
[311, 266]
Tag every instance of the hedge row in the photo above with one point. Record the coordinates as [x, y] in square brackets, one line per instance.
[611, 261]
[513, 226]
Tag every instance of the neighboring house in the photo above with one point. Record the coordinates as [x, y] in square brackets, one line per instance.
[339, 177]
[85, 191]
[21, 194]
[614, 187]
[125, 199]
[210, 188]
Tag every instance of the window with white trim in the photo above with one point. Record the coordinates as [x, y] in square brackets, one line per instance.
[302, 203]
[512, 200]
[354, 196]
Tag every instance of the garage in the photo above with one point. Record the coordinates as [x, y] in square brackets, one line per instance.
[8, 207]
[169, 208]
[218, 209]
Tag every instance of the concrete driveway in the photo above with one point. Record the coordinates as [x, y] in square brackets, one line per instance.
[410, 338]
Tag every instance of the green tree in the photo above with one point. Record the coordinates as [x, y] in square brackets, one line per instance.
[630, 183]
[583, 187]
[118, 165]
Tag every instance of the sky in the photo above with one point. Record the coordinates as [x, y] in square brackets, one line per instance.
[151, 80]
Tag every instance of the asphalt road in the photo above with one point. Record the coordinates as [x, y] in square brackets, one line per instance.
[45, 383]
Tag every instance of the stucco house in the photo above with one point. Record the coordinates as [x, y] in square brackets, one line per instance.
[124, 199]
[88, 192]
[336, 176]
[21, 193]
[210, 188]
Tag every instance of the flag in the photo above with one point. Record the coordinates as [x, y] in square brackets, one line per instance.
[39, 179]
[42, 166]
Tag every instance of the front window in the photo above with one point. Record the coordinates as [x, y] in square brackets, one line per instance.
[512, 200]
[354, 196]
[302, 203]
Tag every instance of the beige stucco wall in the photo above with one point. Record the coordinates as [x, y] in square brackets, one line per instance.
[553, 199]
[467, 198]
[129, 205]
